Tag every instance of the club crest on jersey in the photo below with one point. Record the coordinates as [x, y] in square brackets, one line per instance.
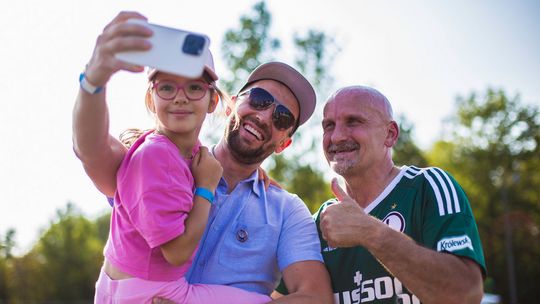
[395, 220]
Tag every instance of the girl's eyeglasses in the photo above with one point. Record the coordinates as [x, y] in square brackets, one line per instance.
[260, 99]
[193, 90]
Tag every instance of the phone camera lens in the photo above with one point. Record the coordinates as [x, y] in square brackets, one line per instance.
[193, 45]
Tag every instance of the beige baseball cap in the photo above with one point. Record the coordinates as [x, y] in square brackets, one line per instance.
[208, 67]
[287, 75]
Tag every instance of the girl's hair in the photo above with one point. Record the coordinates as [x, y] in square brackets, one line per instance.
[235, 115]
[129, 136]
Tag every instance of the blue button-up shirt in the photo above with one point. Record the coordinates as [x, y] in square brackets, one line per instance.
[252, 235]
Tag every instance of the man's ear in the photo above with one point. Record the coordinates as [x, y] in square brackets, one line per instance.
[392, 134]
[283, 145]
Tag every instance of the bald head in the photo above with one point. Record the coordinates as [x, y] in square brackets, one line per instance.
[358, 131]
[365, 96]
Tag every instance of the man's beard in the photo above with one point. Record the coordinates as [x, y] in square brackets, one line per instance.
[342, 168]
[242, 153]
[343, 165]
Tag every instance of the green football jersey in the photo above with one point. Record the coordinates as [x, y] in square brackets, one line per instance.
[428, 205]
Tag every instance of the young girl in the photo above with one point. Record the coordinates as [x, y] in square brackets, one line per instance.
[164, 185]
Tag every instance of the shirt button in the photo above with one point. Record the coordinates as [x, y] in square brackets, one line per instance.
[242, 235]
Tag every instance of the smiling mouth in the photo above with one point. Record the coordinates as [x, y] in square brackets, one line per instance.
[253, 132]
[343, 151]
[180, 112]
[336, 155]
[343, 148]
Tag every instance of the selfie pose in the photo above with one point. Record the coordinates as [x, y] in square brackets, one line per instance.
[163, 185]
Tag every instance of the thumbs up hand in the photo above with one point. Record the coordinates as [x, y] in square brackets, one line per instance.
[338, 191]
[345, 224]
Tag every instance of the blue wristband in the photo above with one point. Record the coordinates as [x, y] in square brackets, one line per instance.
[205, 193]
[87, 86]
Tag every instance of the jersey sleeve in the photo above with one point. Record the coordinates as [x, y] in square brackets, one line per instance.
[158, 190]
[448, 222]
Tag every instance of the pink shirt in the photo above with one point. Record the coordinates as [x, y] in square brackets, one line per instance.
[153, 198]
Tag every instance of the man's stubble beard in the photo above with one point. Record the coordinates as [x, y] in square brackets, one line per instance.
[340, 164]
[244, 154]
[343, 167]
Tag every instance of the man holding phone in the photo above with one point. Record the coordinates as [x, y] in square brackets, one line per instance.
[255, 235]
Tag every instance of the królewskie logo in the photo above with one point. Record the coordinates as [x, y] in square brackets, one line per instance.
[455, 243]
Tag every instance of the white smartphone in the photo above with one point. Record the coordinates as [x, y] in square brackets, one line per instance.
[173, 51]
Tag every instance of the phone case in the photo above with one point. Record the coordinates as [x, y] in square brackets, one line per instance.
[173, 51]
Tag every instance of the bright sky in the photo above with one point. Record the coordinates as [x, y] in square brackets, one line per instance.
[420, 54]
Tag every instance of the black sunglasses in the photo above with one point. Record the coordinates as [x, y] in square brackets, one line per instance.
[260, 99]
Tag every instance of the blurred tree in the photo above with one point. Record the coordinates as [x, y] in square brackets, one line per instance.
[103, 223]
[244, 49]
[7, 243]
[316, 52]
[493, 151]
[64, 264]
[303, 180]
[3, 280]
[406, 152]
[28, 282]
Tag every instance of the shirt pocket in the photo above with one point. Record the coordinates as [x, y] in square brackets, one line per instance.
[250, 248]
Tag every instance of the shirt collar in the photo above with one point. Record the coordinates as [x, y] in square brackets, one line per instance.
[253, 178]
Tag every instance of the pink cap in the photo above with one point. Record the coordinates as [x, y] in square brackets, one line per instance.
[287, 75]
[208, 67]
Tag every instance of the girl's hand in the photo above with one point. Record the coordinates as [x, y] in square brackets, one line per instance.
[117, 36]
[206, 170]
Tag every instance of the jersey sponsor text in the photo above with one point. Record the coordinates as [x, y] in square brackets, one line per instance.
[455, 243]
[373, 290]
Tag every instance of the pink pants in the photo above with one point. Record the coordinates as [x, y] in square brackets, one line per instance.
[138, 291]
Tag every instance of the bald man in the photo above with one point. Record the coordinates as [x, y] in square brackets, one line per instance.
[394, 235]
